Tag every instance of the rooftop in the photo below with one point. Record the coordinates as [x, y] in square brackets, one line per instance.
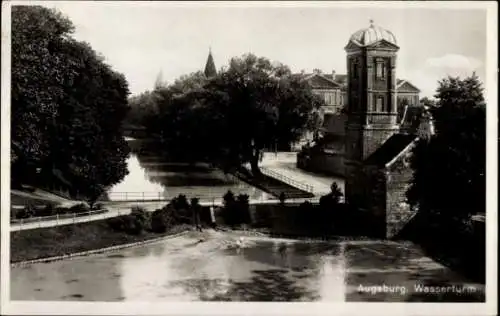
[390, 149]
[372, 35]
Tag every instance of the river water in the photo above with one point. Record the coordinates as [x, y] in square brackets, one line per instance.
[259, 269]
[150, 177]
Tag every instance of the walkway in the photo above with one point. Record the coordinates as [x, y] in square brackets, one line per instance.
[285, 165]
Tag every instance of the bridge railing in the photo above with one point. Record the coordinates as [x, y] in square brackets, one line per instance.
[294, 183]
[207, 195]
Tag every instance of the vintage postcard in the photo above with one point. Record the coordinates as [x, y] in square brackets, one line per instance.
[208, 158]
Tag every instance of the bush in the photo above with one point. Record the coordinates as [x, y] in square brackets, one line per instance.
[61, 210]
[180, 202]
[79, 208]
[229, 198]
[48, 210]
[142, 218]
[98, 206]
[236, 211]
[117, 223]
[27, 212]
[134, 223]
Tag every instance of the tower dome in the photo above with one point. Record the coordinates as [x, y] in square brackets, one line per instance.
[371, 35]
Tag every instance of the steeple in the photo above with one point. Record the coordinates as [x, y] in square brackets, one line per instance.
[210, 69]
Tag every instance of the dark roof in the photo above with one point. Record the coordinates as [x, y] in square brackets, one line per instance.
[406, 86]
[390, 149]
[319, 81]
[210, 69]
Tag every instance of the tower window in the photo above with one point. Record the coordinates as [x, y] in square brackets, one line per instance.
[379, 106]
[380, 68]
[354, 69]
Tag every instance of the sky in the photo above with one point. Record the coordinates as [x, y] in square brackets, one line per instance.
[141, 41]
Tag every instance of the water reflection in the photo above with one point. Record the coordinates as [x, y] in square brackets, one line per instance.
[182, 269]
[149, 172]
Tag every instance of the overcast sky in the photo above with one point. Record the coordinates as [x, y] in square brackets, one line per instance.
[142, 40]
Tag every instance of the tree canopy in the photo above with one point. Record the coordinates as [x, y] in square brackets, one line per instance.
[231, 117]
[449, 177]
[67, 107]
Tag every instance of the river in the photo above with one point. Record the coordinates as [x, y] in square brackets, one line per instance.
[261, 269]
[150, 177]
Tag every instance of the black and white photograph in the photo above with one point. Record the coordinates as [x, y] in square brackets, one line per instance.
[158, 156]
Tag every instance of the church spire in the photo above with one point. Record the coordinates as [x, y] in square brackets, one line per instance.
[210, 69]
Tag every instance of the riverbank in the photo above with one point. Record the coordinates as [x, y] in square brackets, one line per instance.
[69, 239]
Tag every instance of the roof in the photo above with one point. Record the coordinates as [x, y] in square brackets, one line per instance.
[319, 81]
[405, 86]
[372, 35]
[341, 80]
[210, 69]
[390, 149]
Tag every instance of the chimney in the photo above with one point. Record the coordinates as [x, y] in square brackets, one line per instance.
[317, 71]
[333, 75]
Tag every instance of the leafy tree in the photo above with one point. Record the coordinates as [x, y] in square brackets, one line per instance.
[67, 106]
[255, 104]
[449, 177]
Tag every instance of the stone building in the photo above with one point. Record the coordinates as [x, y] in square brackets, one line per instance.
[377, 151]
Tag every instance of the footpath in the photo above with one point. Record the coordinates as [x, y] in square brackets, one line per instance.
[284, 164]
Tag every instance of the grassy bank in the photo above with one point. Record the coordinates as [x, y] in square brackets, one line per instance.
[60, 240]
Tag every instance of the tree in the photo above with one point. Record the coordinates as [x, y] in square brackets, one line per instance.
[254, 104]
[449, 177]
[68, 106]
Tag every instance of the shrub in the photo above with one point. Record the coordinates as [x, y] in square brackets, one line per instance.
[61, 210]
[48, 210]
[133, 225]
[27, 212]
[236, 211]
[282, 197]
[116, 223]
[229, 198]
[243, 209]
[79, 208]
[98, 206]
[159, 222]
[142, 217]
[180, 202]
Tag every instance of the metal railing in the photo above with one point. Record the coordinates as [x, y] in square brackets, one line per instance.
[201, 194]
[69, 218]
[294, 183]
